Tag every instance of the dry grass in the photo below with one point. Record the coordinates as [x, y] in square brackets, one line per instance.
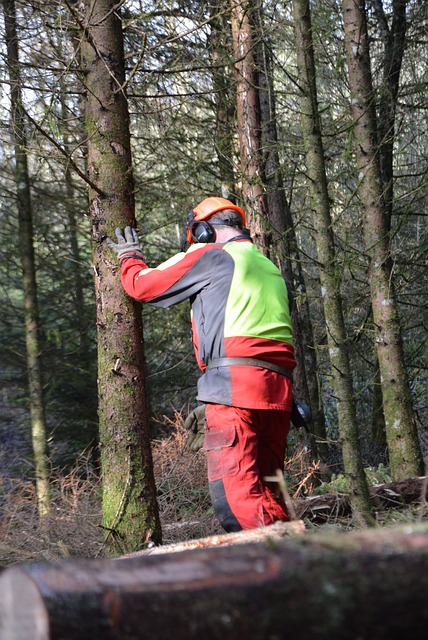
[181, 480]
[73, 526]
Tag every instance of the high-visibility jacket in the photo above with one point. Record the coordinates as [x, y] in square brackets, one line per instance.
[239, 308]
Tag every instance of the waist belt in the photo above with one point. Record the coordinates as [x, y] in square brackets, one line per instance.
[249, 362]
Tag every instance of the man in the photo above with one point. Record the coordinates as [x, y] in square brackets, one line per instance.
[243, 344]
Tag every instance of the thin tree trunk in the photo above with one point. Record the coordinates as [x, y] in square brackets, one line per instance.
[378, 419]
[26, 248]
[329, 274]
[404, 450]
[130, 512]
[76, 262]
[248, 116]
[224, 96]
[256, 136]
[394, 39]
[286, 250]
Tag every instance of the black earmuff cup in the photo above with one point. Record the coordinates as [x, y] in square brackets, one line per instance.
[202, 232]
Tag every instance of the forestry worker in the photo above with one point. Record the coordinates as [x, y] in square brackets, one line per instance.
[243, 344]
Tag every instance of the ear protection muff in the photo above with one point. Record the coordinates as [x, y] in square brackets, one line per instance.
[198, 230]
[201, 231]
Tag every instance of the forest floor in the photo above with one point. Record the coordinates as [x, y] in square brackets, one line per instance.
[73, 527]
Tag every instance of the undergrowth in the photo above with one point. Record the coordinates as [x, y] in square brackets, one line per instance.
[73, 526]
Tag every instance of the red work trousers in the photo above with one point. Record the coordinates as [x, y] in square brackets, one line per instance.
[243, 447]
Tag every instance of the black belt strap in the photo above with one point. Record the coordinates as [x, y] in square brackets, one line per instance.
[249, 362]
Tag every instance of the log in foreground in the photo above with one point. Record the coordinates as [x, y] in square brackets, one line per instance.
[275, 531]
[370, 585]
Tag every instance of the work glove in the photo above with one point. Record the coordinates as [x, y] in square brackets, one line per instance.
[127, 245]
[195, 424]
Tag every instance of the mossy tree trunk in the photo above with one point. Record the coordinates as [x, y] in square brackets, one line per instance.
[394, 39]
[329, 274]
[26, 250]
[378, 419]
[130, 512]
[404, 450]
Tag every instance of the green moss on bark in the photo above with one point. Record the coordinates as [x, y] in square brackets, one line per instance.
[130, 513]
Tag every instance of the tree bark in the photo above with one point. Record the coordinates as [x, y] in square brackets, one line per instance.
[370, 585]
[394, 40]
[276, 531]
[270, 218]
[401, 433]
[378, 419]
[329, 274]
[224, 95]
[285, 249]
[26, 249]
[81, 320]
[130, 512]
[249, 127]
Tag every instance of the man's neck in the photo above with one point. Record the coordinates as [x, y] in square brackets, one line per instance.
[224, 234]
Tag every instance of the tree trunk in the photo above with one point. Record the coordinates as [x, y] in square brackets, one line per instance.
[248, 115]
[224, 96]
[394, 40]
[26, 248]
[378, 419]
[285, 249]
[130, 512]
[75, 261]
[404, 450]
[369, 585]
[329, 274]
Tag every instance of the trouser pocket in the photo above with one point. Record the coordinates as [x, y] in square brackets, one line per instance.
[222, 455]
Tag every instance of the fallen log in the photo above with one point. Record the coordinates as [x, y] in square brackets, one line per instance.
[274, 532]
[383, 496]
[370, 585]
[395, 494]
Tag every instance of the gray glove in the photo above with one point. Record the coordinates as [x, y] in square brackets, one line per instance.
[127, 244]
[195, 424]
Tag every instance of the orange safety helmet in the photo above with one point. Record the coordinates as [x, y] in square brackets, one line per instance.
[203, 211]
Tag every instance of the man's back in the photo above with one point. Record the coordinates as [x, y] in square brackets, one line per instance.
[239, 307]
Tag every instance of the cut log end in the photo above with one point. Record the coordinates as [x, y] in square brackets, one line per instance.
[23, 613]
